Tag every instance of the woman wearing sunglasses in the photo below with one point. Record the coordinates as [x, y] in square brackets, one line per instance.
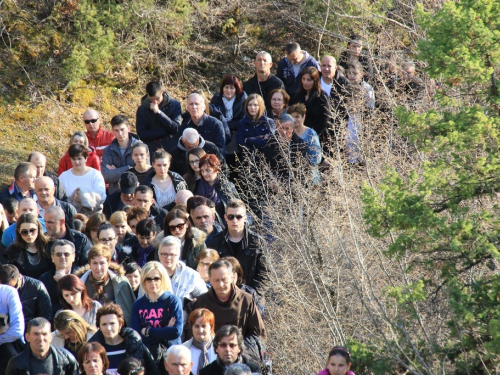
[71, 331]
[192, 239]
[29, 252]
[158, 314]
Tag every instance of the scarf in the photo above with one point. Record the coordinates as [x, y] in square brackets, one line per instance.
[143, 255]
[100, 294]
[203, 346]
[228, 104]
[207, 191]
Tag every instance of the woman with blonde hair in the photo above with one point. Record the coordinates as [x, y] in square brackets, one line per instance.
[72, 331]
[79, 138]
[162, 326]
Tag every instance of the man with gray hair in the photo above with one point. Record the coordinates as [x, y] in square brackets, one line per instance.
[40, 162]
[189, 140]
[290, 67]
[178, 360]
[263, 82]
[45, 191]
[23, 185]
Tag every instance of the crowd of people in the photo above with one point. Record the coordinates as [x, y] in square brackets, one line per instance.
[138, 256]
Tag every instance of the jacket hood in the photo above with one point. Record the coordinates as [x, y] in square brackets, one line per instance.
[183, 148]
[145, 102]
[115, 269]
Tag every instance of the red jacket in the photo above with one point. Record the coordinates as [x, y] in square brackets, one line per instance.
[101, 141]
[92, 161]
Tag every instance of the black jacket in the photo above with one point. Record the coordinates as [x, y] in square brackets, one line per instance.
[64, 363]
[253, 86]
[159, 130]
[218, 368]
[112, 204]
[318, 115]
[51, 285]
[225, 190]
[81, 242]
[179, 155]
[338, 94]
[177, 181]
[35, 300]
[252, 258]
[211, 130]
[133, 348]
[238, 109]
[284, 162]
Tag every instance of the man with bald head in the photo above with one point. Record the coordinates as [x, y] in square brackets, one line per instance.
[191, 139]
[23, 185]
[45, 191]
[40, 162]
[98, 137]
[26, 206]
[57, 229]
[263, 82]
[208, 127]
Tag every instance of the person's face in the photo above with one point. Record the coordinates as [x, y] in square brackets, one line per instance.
[28, 207]
[140, 155]
[169, 256]
[133, 224]
[78, 163]
[53, 225]
[121, 132]
[236, 219]
[29, 232]
[39, 338]
[202, 268]
[209, 173]
[92, 364]
[203, 218]
[63, 257]
[156, 98]
[161, 167]
[12, 217]
[109, 326]
[45, 191]
[74, 299]
[221, 280]
[285, 129]
[108, 237]
[337, 365]
[253, 108]
[408, 72]
[153, 282]
[307, 82]
[27, 181]
[127, 198]
[99, 267]
[201, 330]
[328, 68]
[194, 162]
[121, 229]
[298, 119]
[77, 140]
[228, 349]
[134, 279]
[146, 240]
[295, 57]
[144, 200]
[277, 101]
[263, 64]
[40, 163]
[196, 106]
[355, 49]
[229, 91]
[178, 227]
[88, 118]
[69, 335]
[178, 365]
[354, 75]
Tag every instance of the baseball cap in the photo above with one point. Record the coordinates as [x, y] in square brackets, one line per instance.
[128, 183]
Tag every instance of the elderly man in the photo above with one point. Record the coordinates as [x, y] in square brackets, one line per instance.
[11, 333]
[45, 191]
[228, 303]
[186, 282]
[62, 254]
[178, 360]
[58, 229]
[158, 118]
[23, 185]
[98, 137]
[40, 357]
[263, 82]
[191, 139]
[290, 67]
[40, 162]
[228, 344]
[203, 217]
[123, 196]
[32, 292]
[208, 127]
[26, 206]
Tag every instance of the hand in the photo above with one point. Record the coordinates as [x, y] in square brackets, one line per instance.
[110, 166]
[59, 274]
[4, 329]
[171, 322]
[154, 107]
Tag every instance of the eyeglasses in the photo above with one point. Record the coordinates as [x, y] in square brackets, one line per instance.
[60, 255]
[232, 345]
[151, 279]
[25, 232]
[93, 121]
[178, 226]
[232, 217]
[106, 240]
[137, 370]
[194, 162]
[167, 255]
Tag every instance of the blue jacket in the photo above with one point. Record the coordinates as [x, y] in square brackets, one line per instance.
[287, 75]
[210, 129]
[254, 132]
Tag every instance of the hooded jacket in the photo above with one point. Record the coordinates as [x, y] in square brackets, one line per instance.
[179, 155]
[287, 74]
[159, 130]
[64, 363]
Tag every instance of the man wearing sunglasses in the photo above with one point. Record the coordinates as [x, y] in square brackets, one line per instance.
[228, 344]
[238, 241]
[98, 137]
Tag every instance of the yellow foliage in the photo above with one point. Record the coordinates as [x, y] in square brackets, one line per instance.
[83, 97]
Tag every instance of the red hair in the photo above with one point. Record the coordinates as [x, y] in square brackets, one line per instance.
[207, 317]
[72, 283]
[211, 160]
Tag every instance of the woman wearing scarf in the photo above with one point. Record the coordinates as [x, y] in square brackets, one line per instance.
[201, 323]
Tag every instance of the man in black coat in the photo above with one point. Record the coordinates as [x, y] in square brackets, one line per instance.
[122, 197]
[143, 197]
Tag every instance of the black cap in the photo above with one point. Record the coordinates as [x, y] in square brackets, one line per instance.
[128, 183]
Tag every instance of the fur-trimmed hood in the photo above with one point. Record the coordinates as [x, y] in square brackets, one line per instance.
[113, 270]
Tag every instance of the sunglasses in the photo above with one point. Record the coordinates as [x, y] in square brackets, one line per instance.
[178, 226]
[231, 217]
[25, 232]
[232, 345]
[93, 121]
[151, 279]
[60, 255]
